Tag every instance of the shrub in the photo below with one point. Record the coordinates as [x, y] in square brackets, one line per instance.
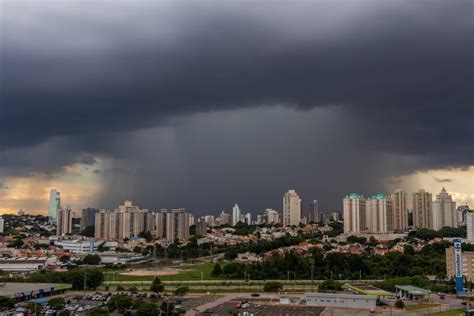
[273, 286]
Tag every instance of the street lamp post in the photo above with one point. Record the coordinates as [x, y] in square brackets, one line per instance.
[312, 274]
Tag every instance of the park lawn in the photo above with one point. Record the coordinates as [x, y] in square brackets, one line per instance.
[454, 312]
[421, 306]
[191, 272]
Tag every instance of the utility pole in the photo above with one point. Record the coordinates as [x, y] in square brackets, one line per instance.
[85, 279]
[312, 274]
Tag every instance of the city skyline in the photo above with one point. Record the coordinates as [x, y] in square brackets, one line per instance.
[170, 102]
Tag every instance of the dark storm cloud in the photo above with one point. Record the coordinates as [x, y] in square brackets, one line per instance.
[69, 69]
[439, 180]
[78, 79]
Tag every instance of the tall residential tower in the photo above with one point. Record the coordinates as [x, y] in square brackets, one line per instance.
[354, 214]
[400, 210]
[422, 209]
[291, 208]
[54, 204]
[444, 211]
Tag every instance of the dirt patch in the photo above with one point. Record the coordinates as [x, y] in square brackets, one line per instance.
[153, 272]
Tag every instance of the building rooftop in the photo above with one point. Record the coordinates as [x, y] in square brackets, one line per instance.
[413, 290]
[378, 196]
[24, 289]
[354, 196]
[367, 289]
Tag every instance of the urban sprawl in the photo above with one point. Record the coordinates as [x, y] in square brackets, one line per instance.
[394, 253]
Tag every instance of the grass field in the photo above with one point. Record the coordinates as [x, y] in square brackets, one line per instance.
[190, 273]
[421, 306]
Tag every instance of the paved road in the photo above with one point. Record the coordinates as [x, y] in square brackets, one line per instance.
[224, 299]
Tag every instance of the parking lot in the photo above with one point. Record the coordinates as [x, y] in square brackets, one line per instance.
[266, 309]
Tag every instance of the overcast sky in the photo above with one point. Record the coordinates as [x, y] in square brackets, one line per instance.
[203, 104]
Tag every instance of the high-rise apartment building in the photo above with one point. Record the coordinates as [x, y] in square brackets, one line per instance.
[400, 210]
[2, 225]
[291, 208]
[248, 218]
[235, 215]
[182, 224]
[271, 216]
[313, 214]
[125, 222]
[467, 264]
[422, 209]
[201, 228]
[177, 225]
[224, 218]
[470, 226]
[64, 221]
[88, 217]
[379, 214]
[54, 204]
[444, 211]
[462, 211]
[336, 216]
[160, 223]
[354, 214]
[103, 225]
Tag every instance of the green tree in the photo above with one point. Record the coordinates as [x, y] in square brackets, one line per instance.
[181, 290]
[167, 308]
[119, 303]
[330, 285]
[147, 309]
[57, 303]
[91, 260]
[157, 286]
[64, 259]
[89, 231]
[272, 286]
[64, 312]
[217, 270]
[7, 302]
[146, 235]
[33, 307]
[97, 311]
[399, 304]
[133, 290]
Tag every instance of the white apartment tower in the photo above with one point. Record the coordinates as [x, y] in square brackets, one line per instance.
[354, 214]
[444, 211]
[248, 218]
[400, 210]
[379, 214]
[235, 215]
[271, 216]
[422, 209]
[291, 208]
[2, 225]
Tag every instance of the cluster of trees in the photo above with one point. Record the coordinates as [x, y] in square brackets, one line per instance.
[262, 246]
[430, 261]
[429, 234]
[89, 231]
[93, 278]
